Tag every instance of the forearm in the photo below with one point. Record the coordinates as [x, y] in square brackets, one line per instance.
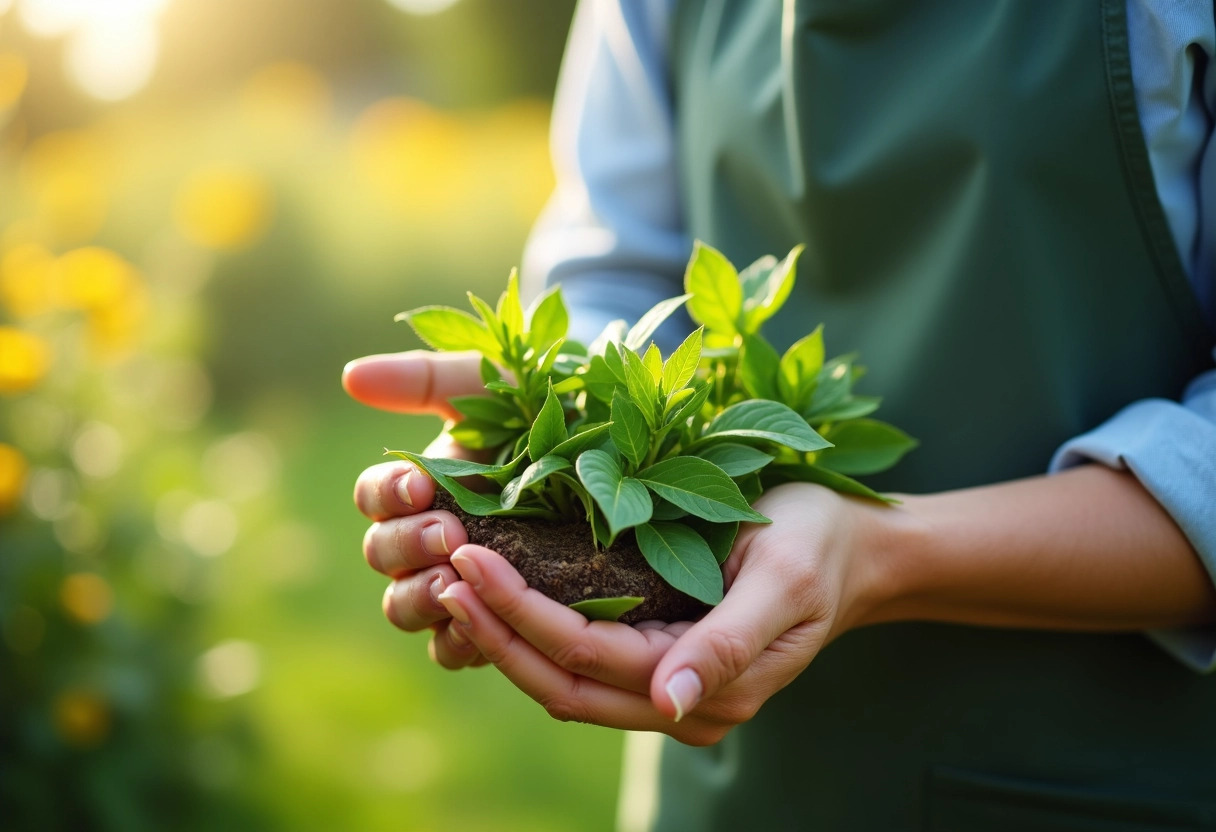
[1087, 549]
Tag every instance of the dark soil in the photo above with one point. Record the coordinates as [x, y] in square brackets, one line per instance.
[559, 560]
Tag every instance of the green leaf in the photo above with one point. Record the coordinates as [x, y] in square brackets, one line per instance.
[719, 536]
[532, 476]
[799, 370]
[607, 609]
[510, 311]
[489, 372]
[614, 361]
[569, 385]
[444, 328]
[834, 386]
[653, 360]
[640, 333]
[664, 510]
[699, 487]
[758, 367]
[549, 429]
[488, 315]
[690, 408]
[613, 333]
[629, 432]
[481, 435]
[853, 407]
[822, 476]
[548, 320]
[486, 408]
[623, 500]
[754, 281]
[642, 386]
[549, 358]
[864, 446]
[765, 295]
[588, 438]
[681, 366]
[771, 421]
[735, 459]
[717, 297]
[601, 381]
[682, 559]
[476, 504]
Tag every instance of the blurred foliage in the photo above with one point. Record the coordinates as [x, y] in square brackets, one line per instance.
[188, 636]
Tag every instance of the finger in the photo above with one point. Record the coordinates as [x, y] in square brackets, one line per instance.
[412, 603]
[607, 651]
[403, 544]
[566, 696]
[414, 382]
[722, 646]
[393, 489]
[452, 648]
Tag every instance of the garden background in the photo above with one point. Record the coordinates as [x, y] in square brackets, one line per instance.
[206, 208]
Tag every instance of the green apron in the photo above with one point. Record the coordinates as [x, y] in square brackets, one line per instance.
[972, 186]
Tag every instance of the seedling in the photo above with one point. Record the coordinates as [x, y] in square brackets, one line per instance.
[671, 451]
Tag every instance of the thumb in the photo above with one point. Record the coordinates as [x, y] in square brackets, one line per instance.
[720, 647]
[414, 382]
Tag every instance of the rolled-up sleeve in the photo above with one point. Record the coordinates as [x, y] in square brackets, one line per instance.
[1171, 449]
[613, 233]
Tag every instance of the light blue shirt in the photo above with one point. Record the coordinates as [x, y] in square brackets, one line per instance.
[614, 236]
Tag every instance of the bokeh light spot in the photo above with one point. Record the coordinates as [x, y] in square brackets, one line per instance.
[86, 597]
[97, 450]
[114, 57]
[423, 6]
[24, 359]
[13, 75]
[209, 527]
[224, 208]
[13, 472]
[241, 466]
[81, 717]
[25, 282]
[67, 174]
[229, 669]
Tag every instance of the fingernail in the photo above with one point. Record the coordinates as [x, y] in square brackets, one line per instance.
[467, 569]
[403, 488]
[387, 603]
[434, 540]
[436, 588]
[458, 635]
[685, 691]
[453, 606]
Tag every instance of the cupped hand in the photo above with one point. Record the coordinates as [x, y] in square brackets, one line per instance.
[792, 587]
[407, 541]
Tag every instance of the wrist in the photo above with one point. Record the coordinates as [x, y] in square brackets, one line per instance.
[889, 541]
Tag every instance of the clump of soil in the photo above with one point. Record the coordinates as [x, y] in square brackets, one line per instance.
[559, 560]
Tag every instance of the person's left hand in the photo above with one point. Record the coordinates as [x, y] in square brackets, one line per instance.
[792, 587]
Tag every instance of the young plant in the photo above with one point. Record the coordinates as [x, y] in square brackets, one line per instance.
[672, 450]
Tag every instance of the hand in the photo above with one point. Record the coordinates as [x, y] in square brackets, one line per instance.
[792, 587]
[407, 542]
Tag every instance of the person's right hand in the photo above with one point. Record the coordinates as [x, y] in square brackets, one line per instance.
[407, 541]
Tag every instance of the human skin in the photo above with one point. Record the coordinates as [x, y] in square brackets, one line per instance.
[1087, 549]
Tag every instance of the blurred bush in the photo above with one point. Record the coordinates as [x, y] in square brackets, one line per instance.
[188, 636]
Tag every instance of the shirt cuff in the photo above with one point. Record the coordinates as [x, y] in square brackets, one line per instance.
[1171, 449]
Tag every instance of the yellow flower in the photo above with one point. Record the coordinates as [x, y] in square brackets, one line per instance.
[24, 359]
[93, 279]
[224, 208]
[13, 470]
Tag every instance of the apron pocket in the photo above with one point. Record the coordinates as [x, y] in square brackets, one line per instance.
[966, 801]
